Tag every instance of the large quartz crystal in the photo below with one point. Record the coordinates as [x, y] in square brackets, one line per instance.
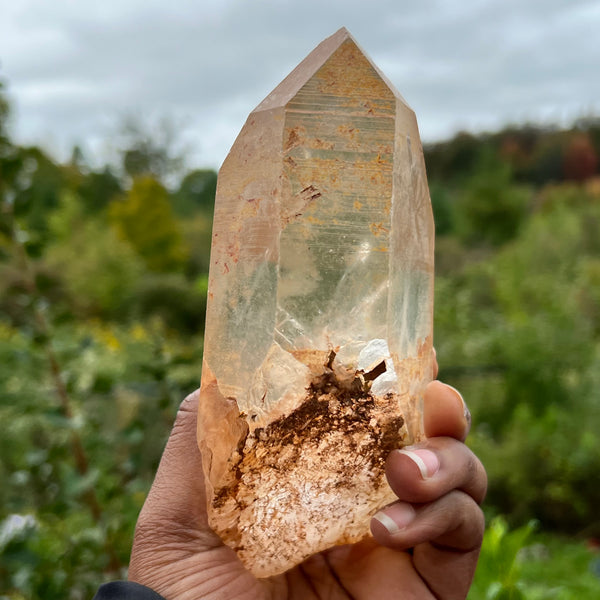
[319, 320]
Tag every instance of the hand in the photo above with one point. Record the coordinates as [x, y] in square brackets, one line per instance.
[425, 546]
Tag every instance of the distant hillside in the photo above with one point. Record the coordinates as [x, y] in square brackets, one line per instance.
[536, 154]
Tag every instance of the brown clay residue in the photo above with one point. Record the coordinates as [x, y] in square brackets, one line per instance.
[371, 428]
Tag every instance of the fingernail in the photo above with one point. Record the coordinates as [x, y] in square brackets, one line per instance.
[396, 517]
[466, 411]
[426, 460]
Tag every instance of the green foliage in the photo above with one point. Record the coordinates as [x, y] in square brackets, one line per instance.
[441, 205]
[124, 385]
[194, 202]
[499, 568]
[490, 208]
[180, 305]
[97, 189]
[197, 232]
[196, 194]
[39, 184]
[100, 339]
[99, 271]
[145, 219]
[447, 161]
[520, 564]
[518, 333]
[6, 147]
[537, 154]
[557, 568]
[545, 164]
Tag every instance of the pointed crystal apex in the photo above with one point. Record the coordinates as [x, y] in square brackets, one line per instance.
[319, 316]
[292, 84]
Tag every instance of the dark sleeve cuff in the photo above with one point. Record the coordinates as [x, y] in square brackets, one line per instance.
[126, 590]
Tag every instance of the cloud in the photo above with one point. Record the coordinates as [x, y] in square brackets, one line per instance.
[73, 68]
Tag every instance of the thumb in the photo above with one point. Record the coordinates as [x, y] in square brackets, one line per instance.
[177, 497]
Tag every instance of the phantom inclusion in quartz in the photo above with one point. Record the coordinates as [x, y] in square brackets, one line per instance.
[319, 318]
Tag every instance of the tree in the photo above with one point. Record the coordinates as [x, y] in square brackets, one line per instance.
[97, 189]
[455, 158]
[144, 218]
[580, 160]
[442, 208]
[150, 149]
[37, 193]
[4, 112]
[491, 207]
[97, 270]
[10, 159]
[196, 193]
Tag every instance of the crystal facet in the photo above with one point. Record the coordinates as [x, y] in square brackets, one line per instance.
[319, 319]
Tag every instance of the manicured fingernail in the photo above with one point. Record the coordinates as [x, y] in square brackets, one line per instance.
[466, 411]
[396, 517]
[426, 460]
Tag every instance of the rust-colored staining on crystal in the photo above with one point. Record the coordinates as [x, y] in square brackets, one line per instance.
[319, 318]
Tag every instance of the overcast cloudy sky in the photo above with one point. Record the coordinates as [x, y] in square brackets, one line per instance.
[74, 68]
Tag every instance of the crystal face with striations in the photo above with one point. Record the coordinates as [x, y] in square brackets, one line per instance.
[319, 319]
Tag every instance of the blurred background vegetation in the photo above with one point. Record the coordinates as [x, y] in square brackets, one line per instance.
[103, 277]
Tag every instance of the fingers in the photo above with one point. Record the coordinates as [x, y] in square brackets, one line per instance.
[445, 412]
[426, 476]
[446, 537]
[426, 472]
[439, 485]
[452, 523]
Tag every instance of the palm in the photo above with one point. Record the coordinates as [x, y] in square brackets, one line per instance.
[361, 571]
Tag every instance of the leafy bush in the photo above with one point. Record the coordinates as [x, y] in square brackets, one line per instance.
[517, 331]
[520, 564]
[499, 568]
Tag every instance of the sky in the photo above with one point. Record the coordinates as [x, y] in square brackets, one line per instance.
[75, 70]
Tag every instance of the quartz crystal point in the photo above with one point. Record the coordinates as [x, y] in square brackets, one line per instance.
[319, 319]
